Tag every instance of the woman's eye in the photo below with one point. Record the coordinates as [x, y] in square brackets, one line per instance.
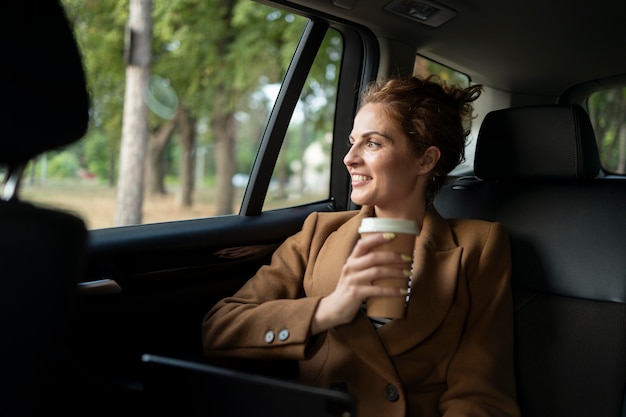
[372, 144]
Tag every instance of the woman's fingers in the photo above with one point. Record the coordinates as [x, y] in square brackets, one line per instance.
[365, 256]
[392, 268]
[360, 272]
[367, 243]
[362, 268]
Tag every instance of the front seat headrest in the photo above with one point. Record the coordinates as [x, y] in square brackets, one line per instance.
[44, 89]
[549, 142]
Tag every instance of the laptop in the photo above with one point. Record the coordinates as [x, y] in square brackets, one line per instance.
[181, 388]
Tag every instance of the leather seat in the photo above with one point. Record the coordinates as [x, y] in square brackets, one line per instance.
[538, 172]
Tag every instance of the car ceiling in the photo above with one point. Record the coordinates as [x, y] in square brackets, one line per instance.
[534, 47]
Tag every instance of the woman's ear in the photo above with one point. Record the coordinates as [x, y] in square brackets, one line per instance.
[429, 159]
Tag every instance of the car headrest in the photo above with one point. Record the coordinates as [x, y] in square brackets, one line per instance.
[46, 104]
[549, 142]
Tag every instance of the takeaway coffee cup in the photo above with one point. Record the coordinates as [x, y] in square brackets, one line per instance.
[405, 231]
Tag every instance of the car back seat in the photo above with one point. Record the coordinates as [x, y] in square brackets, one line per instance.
[538, 172]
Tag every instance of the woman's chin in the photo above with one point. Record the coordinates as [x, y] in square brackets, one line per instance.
[360, 201]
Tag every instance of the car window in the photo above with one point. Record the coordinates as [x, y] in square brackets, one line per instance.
[424, 67]
[302, 172]
[607, 110]
[209, 95]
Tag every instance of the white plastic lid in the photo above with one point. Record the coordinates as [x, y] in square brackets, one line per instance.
[379, 224]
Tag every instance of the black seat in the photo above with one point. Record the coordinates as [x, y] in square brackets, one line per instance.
[41, 250]
[538, 172]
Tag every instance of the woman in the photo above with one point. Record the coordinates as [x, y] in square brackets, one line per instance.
[452, 353]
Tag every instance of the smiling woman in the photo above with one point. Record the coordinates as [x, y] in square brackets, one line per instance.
[407, 132]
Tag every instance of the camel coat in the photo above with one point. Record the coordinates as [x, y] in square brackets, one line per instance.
[452, 355]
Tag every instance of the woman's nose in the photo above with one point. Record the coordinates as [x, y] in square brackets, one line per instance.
[351, 156]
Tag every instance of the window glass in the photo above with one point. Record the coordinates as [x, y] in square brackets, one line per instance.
[607, 110]
[424, 67]
[302, 173]
[209, 91]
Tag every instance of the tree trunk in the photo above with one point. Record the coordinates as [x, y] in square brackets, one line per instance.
[621, 161]
[135, 117]
[112, 163]
[187, 136]
[156, 164]
[223, 127]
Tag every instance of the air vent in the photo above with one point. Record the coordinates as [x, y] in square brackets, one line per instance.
[423, 11]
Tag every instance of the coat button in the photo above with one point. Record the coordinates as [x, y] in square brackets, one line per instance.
[283, 335]
[339, 386]
[391, 393]
[269, 336]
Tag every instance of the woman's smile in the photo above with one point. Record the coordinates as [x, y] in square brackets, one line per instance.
[359, 179]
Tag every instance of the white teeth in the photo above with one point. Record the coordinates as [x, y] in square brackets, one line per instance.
[360, 178]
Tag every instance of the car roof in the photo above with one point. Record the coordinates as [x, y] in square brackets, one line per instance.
[533, 47]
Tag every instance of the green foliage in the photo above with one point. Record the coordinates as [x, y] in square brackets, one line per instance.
[318, 96]
[97, 151]
[209, 50]
[63, 165]
[607, 110]
[207, 46]
[99, 30]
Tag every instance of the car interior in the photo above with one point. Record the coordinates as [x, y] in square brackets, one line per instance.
[82, 307]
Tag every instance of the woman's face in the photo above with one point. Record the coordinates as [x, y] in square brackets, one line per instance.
[384, 170]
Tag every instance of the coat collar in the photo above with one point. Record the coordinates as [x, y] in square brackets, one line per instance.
[435, 270]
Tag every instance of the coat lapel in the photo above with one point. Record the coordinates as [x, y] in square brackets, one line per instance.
[435, 273]
[360, 336]
[332, 256]
[436, 263]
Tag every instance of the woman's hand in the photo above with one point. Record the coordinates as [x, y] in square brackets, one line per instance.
[363, 266]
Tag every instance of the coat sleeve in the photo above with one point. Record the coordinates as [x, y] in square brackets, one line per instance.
[481, 379]
[269, 317]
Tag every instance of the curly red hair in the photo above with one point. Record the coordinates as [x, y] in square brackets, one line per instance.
[431, 114]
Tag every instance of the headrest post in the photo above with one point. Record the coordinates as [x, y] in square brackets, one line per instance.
[12, 181]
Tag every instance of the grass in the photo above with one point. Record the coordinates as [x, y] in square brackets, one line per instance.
[95, 202]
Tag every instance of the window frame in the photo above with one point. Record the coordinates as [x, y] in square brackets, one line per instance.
[355, 70]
